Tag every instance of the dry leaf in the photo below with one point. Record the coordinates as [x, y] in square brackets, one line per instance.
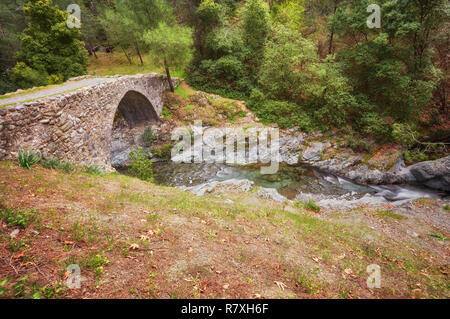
[134, 247]
[280, 285]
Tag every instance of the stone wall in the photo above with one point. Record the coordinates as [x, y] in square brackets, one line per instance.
[76, 126]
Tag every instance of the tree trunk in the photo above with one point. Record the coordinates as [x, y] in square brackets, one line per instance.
[128, 57]
[330, 45]
[139, 52]
[92, 49]
[169, 78]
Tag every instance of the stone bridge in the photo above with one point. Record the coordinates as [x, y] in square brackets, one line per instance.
[77, 126]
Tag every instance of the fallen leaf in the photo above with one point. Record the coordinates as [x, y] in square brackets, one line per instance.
[280, 285]
[134, 247]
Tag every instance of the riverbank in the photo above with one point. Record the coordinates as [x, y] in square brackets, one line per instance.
[225, 245]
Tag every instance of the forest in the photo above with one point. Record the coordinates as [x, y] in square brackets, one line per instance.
[310, 64]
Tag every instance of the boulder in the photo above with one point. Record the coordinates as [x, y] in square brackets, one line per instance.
[314, 152]
[434, 174]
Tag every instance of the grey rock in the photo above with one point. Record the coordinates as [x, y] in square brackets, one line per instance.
[434, 174]
[314, 153]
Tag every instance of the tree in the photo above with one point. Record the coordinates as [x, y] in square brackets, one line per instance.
[170, 46]
[289, 13]
[390, 68]
[256, 27]
[12, 22]
[48, 47]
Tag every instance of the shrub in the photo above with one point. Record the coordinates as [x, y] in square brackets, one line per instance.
[21, 218]
[148, 137]
[285, 114]
[54, 163]
[162, 151]
[310, 205]
[25, 77]
[94, 170]
[28, 158]
[141, 165]
[51, 162]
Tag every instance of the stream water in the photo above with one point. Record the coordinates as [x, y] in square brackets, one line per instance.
[294, 183]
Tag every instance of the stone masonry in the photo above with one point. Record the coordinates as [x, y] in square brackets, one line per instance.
[77, 126]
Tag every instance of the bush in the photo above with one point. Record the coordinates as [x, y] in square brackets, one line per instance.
[28, 158]
[285, 114]
[51, 162]
[141, 165]
[94, 170]
[162, 151]
[25, 77]
[21, 218]
[54, 163]
[148, 137]
[310, 205]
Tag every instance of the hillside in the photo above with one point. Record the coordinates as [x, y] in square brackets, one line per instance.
[224, 245]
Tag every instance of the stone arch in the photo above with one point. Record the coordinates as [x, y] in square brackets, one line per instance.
[133, 114]
[136, 109]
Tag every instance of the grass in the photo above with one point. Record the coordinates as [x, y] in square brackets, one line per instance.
[96, 225]
[28, 158]
[94, 170]
[390, 214]
[309, 205]
[32, 90]
[21, 218]
[54, 163]
[438, 236]
[184, 92]
[38, 98]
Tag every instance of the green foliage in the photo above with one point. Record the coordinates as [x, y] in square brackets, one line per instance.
[414, 156]
[285, 114]
[141, 165]
[25, 77]
[210, 13]
[148, 137]
[96, 262]
[439, 236]
[50, 162]
[166, 113]
[28, 158]
[256, 26]
[171, 44]
[309, 205]
[163, 151]
[390, 214]
[50, 51]
[289, 13]
[95, 170]
[21, 218]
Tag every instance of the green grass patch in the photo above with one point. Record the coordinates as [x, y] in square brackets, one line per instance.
[438, 236]
[390, 214]
[309, 205]
[21, 218]
[185, 93]
[28, 158]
